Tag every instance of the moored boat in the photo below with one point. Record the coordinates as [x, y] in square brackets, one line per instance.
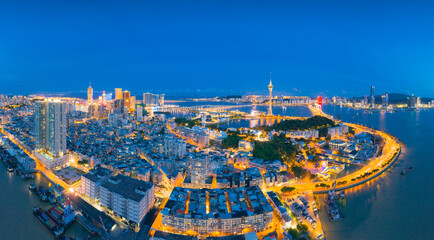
[45, 220]
[38, 193]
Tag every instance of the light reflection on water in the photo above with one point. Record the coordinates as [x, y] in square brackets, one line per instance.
[391, 206]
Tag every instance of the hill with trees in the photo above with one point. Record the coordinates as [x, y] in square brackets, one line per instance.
[314, 122]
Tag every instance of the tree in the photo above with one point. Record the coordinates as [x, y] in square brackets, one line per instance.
[187, 122]
[266, 151]
[279, 148]
[294, 233]
[314, 122]
[231, 141]
[302, 227]
[162, 131]
[287, 189]
[298, 171]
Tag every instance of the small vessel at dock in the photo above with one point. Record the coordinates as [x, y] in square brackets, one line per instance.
[27, 176]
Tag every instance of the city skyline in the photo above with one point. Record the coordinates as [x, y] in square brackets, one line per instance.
[311, 49]
[230, 120]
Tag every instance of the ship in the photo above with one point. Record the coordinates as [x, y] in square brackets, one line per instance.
[55, 219]
[62, 214]
[405, 171]
[38, 193]
[45, 220]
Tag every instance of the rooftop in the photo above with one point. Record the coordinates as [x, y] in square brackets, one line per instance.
[216, 203]
[127, 187]
[97, 173]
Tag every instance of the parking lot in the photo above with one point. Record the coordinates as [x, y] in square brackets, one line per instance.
[307, 213]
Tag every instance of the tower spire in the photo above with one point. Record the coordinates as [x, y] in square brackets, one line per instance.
[270, 99]
[270, 81]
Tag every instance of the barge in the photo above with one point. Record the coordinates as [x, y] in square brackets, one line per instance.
[45, 220]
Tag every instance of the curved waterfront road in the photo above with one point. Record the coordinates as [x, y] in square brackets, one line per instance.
[380, 164]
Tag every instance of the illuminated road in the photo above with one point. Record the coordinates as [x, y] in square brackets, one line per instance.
[190, 141]
[372, 169]
[40, 167]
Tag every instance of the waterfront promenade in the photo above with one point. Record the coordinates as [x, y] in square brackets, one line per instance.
[374, 168]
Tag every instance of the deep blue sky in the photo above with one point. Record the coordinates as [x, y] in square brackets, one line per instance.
[217, 47]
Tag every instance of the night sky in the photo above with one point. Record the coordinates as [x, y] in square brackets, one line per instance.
[217, 47]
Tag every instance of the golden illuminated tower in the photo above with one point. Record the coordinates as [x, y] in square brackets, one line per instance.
[270, 101]
[118, 93]
[90, 94]
[126, 95]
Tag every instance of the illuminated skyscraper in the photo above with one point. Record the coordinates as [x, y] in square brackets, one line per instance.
[372, 96]
[199, 170]
[104, 98]
[90, 94]
[153, 99]
[270, 101]
[133, 103]
[147, 98]
[385, 100]
[161, 99]
[126, 97]
[118, 93]
[139, 116]
[50, 127]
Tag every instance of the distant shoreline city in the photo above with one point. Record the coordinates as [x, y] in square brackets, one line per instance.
[156, 168]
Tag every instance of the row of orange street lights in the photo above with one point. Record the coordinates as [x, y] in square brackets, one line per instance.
[391, 146]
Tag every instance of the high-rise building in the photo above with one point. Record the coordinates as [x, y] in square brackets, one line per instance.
[91, 182]
[119, 104]
[372, 95]
[174, 146]
[127, 197]
[104, 98]
[109, 96]
[133, 103]
[153, 99]
[139, 117]
[147, 98]
[270, 100]
[50, 127]
[126, 97]
[118, 93]
[161, 99]
[411, 101]
[199, 170]
[90, 94]
[385, 100]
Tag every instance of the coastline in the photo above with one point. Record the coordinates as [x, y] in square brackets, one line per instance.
[365, 180]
